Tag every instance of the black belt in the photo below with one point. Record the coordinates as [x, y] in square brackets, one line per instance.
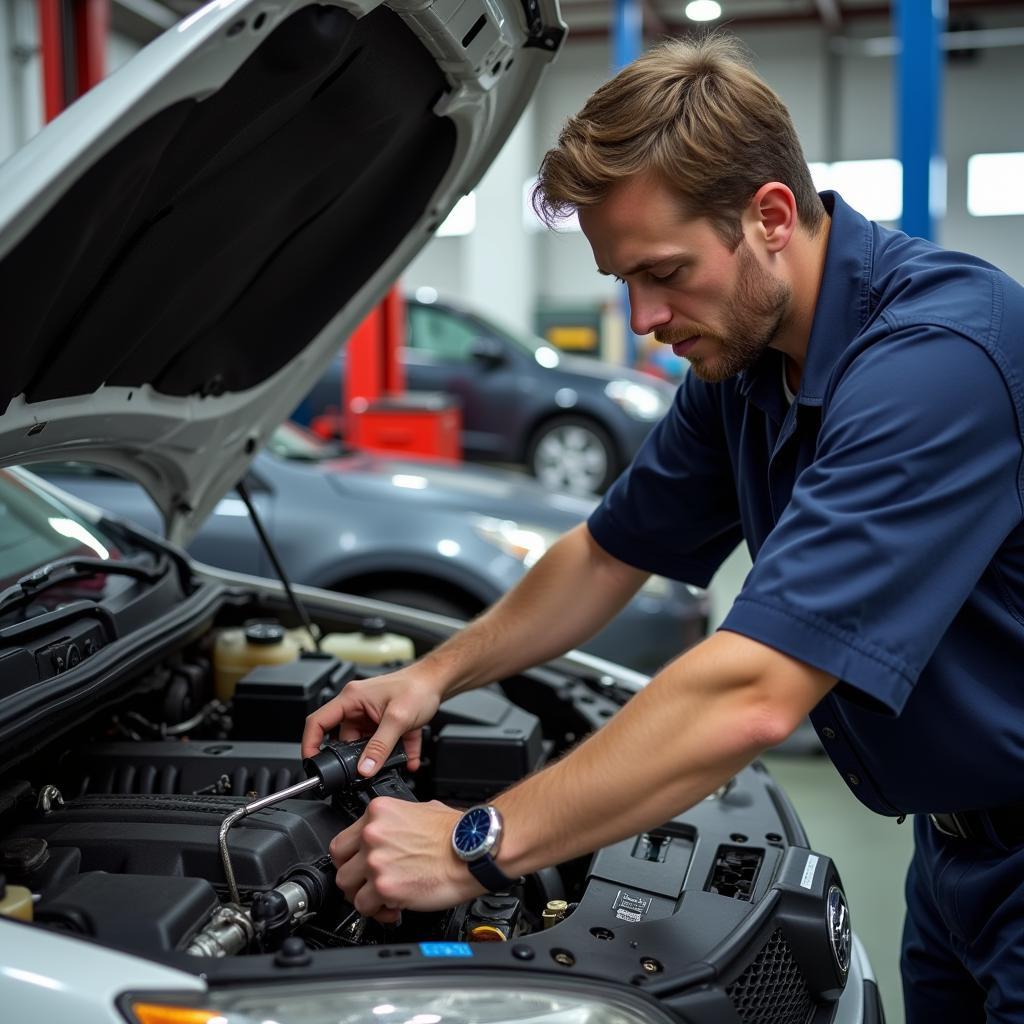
[1004, 823]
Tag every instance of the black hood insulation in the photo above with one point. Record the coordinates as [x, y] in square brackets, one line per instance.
[207, 248]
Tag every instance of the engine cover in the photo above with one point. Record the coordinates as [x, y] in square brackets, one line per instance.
[168, 845]
[177, 835]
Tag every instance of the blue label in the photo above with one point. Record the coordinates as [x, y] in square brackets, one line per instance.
[446, 949]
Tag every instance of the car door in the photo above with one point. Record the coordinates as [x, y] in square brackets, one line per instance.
[448, 352]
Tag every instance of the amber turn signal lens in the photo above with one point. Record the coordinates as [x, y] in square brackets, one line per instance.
[150, 1013]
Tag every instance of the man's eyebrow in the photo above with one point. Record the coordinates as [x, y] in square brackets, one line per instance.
[647, 264]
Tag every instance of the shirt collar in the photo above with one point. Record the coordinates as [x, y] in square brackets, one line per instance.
[841, 311]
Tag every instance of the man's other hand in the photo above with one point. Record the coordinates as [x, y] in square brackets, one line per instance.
[399, 856]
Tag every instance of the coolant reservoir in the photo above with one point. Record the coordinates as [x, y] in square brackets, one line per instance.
[15, 901]
[238, 651]
[373, 645]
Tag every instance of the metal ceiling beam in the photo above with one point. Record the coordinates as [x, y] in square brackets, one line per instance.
[654, 23]
[849, 14]
[967, 39]
[831, 15]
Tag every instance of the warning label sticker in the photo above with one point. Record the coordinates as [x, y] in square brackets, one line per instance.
[808, 876]
[631, 906]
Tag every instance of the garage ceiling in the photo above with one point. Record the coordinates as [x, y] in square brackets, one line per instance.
[589, 19]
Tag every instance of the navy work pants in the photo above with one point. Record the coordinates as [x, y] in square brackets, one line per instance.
[963, 941]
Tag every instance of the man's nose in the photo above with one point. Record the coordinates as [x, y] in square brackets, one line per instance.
[646, 312]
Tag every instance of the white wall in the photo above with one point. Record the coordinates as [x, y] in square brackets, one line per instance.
[493, 268]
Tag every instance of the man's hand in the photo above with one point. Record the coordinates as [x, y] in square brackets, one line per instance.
[391, 707]
[573, 590]
[398, 856]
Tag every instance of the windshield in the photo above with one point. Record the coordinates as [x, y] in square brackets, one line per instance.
[530, 343]
[36, 529]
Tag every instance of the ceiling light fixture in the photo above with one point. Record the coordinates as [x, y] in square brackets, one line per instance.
[703, 10]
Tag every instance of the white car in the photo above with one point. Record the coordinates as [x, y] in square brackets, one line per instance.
[180, 254]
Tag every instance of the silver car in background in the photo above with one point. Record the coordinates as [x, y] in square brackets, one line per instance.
[444, 537]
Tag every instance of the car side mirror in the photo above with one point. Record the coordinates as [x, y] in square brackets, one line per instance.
[488, 351]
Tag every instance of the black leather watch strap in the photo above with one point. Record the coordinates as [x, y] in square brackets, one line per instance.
[488, 874]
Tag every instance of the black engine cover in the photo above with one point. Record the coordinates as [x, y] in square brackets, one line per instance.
[177, 836]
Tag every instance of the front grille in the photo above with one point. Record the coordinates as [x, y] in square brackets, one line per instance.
[772, 989]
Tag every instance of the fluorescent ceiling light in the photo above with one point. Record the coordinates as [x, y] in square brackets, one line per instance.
[703, 10]
[462, 219]
[872, 187]
[993, 184]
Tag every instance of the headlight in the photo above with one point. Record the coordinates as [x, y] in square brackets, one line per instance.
[642, 403]
[528, 542]
[472, 1002]
[520, 540]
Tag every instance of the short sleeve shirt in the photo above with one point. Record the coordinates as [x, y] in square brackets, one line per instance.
[883, 510]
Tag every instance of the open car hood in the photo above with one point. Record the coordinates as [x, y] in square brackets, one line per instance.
[184, 248]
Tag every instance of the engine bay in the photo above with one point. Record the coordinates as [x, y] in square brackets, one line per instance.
[115, 830]
[143, 828]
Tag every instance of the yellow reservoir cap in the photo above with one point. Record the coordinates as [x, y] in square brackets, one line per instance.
[151, 1013]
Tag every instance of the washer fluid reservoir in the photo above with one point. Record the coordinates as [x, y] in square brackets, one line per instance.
[372, 645]
[238, 651]
[15, 901]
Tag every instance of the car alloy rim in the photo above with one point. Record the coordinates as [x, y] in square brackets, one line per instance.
[571, 457]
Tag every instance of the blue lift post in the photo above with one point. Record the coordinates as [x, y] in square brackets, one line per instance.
[627, 45]
[919, 25]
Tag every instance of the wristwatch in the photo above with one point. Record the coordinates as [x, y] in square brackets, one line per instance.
[475, 840]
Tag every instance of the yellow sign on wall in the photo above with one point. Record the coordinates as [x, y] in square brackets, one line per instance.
[576, 338]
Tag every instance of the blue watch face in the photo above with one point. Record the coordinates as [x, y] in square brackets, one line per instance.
[472, 830]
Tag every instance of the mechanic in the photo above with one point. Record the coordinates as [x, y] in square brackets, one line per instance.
[854, 413]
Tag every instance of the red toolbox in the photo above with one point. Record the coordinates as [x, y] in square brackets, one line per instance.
[421, 423]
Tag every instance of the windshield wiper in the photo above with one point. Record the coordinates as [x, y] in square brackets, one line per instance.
[54, 573]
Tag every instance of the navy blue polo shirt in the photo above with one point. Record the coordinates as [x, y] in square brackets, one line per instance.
[882, 509]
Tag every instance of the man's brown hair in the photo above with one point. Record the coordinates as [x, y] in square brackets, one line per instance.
[693, 112]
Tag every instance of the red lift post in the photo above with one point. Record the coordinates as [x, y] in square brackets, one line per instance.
[379, 414]
[73, 45]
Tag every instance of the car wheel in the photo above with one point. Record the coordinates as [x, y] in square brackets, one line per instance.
[424, 601]
[570, 453]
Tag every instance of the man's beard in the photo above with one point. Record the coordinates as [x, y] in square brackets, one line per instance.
[757, 309]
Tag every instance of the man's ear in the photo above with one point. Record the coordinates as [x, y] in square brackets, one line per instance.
[773, 215]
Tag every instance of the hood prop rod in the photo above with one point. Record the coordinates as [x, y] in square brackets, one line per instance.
[299, 608]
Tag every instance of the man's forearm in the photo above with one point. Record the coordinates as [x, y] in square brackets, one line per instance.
[701, 720]
[574, 590]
